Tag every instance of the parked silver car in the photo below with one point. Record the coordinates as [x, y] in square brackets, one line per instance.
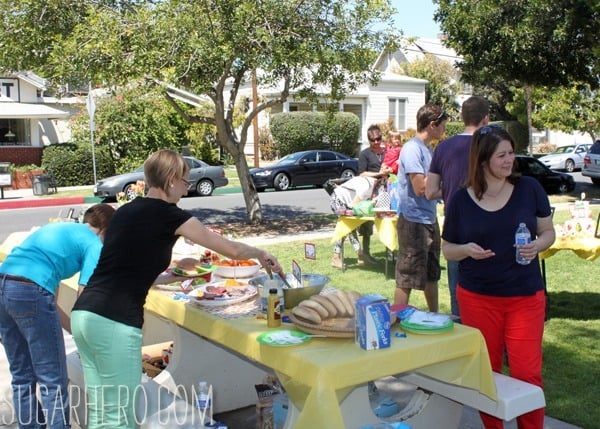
[591, 163]
[204, 179]
[566, 158]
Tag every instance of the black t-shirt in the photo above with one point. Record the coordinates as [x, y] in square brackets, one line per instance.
[137, 247]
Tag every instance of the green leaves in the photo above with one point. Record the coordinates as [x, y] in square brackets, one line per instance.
[538, 42]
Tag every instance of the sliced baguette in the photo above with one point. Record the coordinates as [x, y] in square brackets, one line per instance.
[337, 302]
[314, 305]
[331, 310]
[307, 314]
[348, 302]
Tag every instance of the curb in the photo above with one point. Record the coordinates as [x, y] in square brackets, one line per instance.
[41, 202]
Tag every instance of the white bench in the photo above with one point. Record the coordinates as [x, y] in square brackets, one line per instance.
[515, 397]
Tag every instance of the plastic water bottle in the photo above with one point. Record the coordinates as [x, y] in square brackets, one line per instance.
[522, 237]
[203, 402]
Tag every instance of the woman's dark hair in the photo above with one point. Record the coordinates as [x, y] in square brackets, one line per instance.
[483, 145]
[99, 215]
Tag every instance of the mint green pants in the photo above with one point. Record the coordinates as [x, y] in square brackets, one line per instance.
[112, 367]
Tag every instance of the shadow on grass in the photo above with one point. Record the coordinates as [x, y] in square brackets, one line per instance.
[574, 305]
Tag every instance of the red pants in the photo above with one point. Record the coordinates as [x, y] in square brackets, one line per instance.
[517, 325]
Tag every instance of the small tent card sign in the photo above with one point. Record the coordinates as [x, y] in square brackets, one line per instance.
[310, 251]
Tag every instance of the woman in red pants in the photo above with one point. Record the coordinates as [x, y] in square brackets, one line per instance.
[498, 293]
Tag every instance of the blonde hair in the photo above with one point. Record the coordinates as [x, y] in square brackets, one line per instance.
[163, 167]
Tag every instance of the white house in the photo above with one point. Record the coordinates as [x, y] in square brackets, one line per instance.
[27, 122]
[395, 96]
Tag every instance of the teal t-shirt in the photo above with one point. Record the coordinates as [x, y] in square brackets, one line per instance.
[55, 252]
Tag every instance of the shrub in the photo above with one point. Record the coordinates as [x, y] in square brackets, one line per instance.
[454, 128]
[268, 150]
[519, 133]
[545, 147]
[298, 131]
[72, 164]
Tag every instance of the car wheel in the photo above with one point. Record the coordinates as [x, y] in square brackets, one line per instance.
[596, 181]
[563, 188]
[281, 182]
[204, 188]
[569, 165]
[129, 192]
[347, 174]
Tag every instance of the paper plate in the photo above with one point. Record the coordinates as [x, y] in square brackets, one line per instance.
[283, 338]
[421, 329]
[176, 286]
[201, 271]
[250, 292]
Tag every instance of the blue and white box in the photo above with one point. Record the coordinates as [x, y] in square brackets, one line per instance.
[372, 322]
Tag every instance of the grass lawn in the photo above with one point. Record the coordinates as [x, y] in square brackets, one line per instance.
[572, 335]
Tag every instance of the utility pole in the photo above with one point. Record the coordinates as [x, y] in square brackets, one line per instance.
[255, 120]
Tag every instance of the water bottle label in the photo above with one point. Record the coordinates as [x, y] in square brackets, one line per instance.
[521, 241]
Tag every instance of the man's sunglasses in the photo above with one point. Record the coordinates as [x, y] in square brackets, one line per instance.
[441, 116]
[376, 139]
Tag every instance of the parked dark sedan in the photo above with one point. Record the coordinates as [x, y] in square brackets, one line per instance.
[312, 167]
[553, 182]
[204, 179]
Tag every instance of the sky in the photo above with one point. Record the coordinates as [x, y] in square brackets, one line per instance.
[415, 19]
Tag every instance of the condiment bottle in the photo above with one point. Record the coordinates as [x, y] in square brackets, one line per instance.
[264, 293]
[273, 309]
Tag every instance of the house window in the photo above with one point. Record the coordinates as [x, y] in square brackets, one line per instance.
[397, 112]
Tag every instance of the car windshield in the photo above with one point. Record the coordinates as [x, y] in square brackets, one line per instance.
[291, 158]
[564, 149]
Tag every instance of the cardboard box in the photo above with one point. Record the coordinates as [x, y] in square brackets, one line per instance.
[372, 322]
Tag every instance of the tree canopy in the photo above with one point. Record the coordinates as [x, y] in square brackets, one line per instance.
[525, 43]
[304, 48]
[536, 42]
[443, 79]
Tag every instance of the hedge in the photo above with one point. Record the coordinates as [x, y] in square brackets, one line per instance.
[298, 131]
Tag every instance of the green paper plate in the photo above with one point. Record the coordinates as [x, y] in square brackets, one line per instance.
[421, 329]
[201, 271]
[283, 338]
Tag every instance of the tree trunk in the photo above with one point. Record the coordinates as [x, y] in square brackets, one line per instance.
[253, 206]
[529, 119]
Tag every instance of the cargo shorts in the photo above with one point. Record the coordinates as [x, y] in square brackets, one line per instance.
[418, 254]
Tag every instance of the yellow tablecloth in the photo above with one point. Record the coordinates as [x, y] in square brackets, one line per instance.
[386, 229]
[319, 374]
[584, 247]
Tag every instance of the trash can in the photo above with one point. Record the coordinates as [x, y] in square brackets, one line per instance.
[40, 184]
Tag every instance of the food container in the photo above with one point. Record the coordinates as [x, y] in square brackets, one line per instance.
[225, 268]
[372, 322]
[313, 284]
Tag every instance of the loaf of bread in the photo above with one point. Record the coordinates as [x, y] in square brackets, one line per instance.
[319, 308]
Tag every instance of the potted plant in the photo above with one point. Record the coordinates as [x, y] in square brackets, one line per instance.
[22, 174]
